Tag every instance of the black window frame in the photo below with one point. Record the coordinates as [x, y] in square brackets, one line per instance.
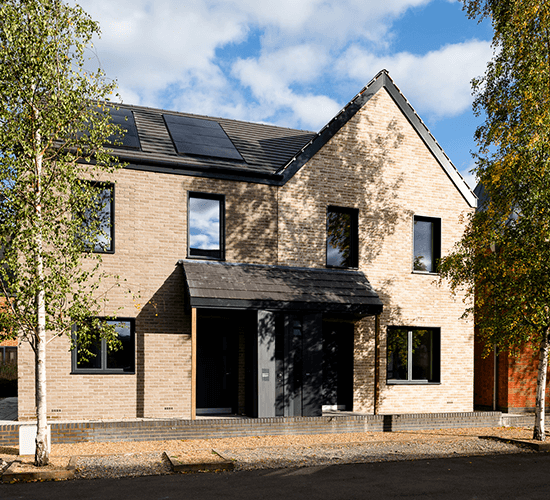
[196, 253]
[354, 236]
[435, 244]
[102, 186]
[435, 353]
[103, 369]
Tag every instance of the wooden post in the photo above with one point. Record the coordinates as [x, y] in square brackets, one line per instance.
[193, 363]
[376, 363]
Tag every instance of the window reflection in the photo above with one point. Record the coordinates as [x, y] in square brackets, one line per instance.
[341, 237]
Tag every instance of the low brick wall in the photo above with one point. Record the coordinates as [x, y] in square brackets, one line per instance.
[156, 430]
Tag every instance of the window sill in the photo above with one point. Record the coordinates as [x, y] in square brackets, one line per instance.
[427, 273]
[343, 268]
[411, 382]
[201, 257]
[102, 372]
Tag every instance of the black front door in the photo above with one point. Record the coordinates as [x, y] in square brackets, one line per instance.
[217, 354]
[338, 365]
[298, 358]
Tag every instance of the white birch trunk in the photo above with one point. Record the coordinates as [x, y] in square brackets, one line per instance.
[42, 453]
[538, 432]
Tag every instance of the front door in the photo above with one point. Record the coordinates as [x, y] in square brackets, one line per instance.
[217, 354]
[298, 358]
[337, 366]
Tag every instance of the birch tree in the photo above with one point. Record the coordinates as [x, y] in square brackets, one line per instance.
[503, 260]
[54, 128]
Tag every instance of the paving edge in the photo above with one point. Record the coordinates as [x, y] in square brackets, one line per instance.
[214, 465]
[542, 446]
[11, 476]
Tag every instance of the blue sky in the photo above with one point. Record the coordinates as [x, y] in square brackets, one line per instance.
[295, 63]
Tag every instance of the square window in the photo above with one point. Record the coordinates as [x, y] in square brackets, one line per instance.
[413, 354]
[206, 226]
[104, 359]
[342, 237]
[100, 219]
[427, 244]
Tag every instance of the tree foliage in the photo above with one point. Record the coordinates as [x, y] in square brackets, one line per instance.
[54, 136]
[504, 256]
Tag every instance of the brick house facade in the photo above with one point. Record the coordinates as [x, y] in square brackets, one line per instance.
[506, 383]
[317, 288]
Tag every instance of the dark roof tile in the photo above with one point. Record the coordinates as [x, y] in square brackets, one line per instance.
[225, 285]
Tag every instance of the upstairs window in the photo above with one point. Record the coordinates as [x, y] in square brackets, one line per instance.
[413, 355]
[104, 359]
[342, 237]
[206, 226]
[102, 216]
[427, 244]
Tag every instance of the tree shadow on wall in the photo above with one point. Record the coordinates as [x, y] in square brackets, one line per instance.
[365, 348]
[356, 169]
[163, 314]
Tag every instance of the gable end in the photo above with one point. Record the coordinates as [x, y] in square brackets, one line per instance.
[381, 80]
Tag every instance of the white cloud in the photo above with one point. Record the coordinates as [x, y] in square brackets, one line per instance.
[270, 78]
[168, 47]
[437, 83]
[149, 46]
[189, 56]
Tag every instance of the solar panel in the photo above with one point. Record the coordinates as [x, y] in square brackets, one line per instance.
[195, 136]
[125, 118]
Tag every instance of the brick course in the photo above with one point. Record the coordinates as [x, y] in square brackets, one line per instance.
[158, 430]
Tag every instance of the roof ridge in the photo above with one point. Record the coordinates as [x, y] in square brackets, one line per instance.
[140, 107]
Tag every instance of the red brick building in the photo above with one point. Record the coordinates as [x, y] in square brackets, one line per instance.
[504, 382]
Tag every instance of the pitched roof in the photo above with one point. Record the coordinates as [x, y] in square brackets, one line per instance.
[270, 154]
[381, 80]
[264, 148]
[222, 285]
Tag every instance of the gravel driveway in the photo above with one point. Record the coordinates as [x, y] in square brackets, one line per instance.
[123, 459]
[273, 452]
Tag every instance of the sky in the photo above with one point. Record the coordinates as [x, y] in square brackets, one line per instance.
[295, 63]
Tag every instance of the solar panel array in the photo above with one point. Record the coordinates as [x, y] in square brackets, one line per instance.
[195, 136]
[125, 118]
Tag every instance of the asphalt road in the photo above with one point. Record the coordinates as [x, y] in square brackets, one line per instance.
[525, 476]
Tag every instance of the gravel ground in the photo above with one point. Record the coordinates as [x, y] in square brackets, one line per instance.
[127, 465]
[147, 457]
[307, 456]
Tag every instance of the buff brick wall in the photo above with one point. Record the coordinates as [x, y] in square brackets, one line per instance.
[378, 164]
[150, 237]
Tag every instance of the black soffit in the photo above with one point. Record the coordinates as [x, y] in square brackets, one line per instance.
[125, 118]
[194, 136]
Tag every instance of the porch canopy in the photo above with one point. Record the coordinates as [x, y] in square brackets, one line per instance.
[221, 285]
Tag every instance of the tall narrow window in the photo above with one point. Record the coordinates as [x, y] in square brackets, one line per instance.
[206, 226]
[413, 354]
[342, 237]
[101, 216]
[427, 243]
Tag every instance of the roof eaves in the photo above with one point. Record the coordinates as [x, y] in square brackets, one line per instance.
[382, 79]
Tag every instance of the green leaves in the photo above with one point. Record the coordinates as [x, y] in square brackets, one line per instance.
[54, 135]
[503, 259]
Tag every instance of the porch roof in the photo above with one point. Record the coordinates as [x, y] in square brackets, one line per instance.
[221, 285]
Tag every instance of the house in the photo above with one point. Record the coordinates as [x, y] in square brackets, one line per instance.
[280, 272]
